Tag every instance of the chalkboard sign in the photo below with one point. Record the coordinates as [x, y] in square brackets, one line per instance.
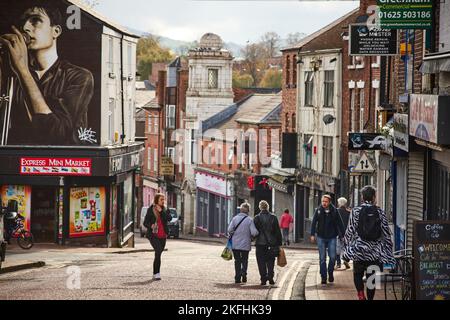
[432, 260]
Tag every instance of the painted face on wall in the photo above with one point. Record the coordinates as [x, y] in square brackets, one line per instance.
[36, 23]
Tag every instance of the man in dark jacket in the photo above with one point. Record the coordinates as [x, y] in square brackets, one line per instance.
[267, 243]
[328, 226]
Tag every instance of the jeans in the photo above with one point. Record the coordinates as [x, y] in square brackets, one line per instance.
[323, 245]
[285, 235]
[359, 268]
[159, 245]
[240, 263]
[266, 263]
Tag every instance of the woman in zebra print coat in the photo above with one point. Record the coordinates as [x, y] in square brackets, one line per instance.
[367, 253]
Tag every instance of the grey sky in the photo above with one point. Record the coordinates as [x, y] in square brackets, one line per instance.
[234, 21]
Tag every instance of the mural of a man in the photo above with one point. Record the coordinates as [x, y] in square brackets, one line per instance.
[51, 97]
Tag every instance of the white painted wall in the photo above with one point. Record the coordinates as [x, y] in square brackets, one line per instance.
[310, 119]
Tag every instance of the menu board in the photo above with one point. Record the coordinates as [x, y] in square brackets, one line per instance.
[432, 260]
[87, 211]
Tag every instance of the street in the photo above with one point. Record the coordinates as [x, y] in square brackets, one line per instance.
[190, 270]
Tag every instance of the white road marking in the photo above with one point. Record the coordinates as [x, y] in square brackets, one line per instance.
[290, 288]
[277, 291]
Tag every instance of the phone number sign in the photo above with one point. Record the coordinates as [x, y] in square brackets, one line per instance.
[405, 14]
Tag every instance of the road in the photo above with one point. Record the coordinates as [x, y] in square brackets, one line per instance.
[190, 271]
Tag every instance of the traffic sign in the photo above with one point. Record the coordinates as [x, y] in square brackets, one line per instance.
[364, 165]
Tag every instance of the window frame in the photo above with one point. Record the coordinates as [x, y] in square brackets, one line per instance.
[328, 85]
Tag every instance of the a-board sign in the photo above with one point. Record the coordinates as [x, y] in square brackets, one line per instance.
[431, 251]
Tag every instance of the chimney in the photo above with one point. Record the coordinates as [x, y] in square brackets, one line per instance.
[364, 4]
[160, 87]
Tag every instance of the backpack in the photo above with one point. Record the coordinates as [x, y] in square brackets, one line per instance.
[369, 225]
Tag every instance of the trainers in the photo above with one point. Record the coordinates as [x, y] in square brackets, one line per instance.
[347, 265]
[263, 282]
[244, 279]
[157, 277]
[324, 281]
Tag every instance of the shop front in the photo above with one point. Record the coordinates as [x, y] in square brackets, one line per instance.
[214, 204]
[73, 196]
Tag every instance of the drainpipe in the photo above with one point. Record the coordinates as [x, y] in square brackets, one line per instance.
[122, 79]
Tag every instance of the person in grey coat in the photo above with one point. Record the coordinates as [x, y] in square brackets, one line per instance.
[242, 230]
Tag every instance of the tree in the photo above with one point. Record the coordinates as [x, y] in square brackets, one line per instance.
[149, 51]
[271, 44]
[242, 80]
[255, 61]
[294, 38]
[272, 79]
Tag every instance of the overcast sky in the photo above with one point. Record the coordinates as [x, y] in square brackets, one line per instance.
[235, 21]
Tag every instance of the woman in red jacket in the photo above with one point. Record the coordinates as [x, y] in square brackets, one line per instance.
[286, 223]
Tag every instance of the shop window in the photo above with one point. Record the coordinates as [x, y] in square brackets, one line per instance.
[328, 99]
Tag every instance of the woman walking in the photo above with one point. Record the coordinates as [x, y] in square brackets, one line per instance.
[157, 230]
[286, 224]
[268, 242]
[242, 230]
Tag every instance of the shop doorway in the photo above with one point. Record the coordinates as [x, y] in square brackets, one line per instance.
[43, 214]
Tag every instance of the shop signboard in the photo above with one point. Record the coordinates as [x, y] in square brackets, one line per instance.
[401, 133]
[365, 41]
[166, 167]
[367, 141]
[210, 183]
[87, 211]
[431, 252]
[21, 194]
[411, 14]
[56, 166]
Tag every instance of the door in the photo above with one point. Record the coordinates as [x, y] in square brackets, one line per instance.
[44, 209]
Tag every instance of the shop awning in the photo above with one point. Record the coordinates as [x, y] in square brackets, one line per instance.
[281, 183]
[436, 63]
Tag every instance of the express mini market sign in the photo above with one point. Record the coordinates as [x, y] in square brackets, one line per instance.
[405, 14]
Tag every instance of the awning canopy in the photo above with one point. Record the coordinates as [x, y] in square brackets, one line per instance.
[436, 63]
[281, 183]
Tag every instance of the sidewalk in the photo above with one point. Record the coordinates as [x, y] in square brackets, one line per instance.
[342, 288]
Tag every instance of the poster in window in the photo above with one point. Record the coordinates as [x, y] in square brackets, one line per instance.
[21, 194]
[60, 212]
[87, 211]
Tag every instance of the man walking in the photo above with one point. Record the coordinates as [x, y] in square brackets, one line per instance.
[368, 242]
[344, 214]
[328, 226]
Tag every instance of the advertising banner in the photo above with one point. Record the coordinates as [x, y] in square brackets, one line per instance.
[372, 42]
[405, 14]
[87, 212]
[424, 117]
[22, 194]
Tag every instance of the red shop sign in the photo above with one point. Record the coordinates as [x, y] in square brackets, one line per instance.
[56, 166]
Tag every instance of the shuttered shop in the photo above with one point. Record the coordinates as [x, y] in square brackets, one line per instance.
[416, 165]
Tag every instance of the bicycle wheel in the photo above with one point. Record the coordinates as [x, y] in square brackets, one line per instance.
[25, 240]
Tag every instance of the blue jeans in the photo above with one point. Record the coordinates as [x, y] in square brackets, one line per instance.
[323, 245]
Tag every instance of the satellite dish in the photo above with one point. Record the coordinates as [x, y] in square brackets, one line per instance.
[328, 119]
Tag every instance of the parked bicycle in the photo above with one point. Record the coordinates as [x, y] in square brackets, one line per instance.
[14, 227]
[402, 273]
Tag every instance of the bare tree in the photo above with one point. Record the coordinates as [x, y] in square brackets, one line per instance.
[271, 43]
[294, 38]
[255, 61]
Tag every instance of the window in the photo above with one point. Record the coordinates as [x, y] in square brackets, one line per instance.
[131, 116]
[150, 123]
[193, 148]
[307, 146]
[327, 155]
[112, 106]
[294, 122]
[294, 71]
[353, 111]
[155, 160]
[328, 99]
[111, 55]
[129, 61]
[362, 106]
[213, 78]
[149, 159]
[309, 88]
[170, 117]
[286, 121]
[156, 124]
[288, 71]
[171, 154]
[219, 156]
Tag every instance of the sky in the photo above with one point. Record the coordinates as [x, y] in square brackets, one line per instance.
[235, 21]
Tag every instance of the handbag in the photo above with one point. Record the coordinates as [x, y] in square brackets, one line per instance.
[281, 259]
